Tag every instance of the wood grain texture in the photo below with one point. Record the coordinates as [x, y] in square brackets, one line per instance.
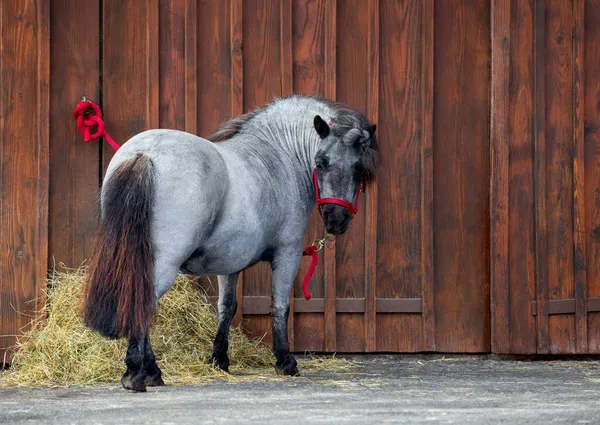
[261, 83]
[351, 88]
[461, 178]
[399, 211]
[330, 278]
[541, 224]
[191, 73]
[579, 255]
[24, 166]
[427, 229]
[371, 213]
[74, 165]
[308, 65]
[130, 70]
[499, 171]
[521, 329]
[559, 157]
[591, 101]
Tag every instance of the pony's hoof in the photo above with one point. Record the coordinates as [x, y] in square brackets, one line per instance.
[133, 383]
[288, 367]
[220, 361]
[154, 381]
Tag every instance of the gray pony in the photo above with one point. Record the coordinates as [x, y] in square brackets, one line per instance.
[173, 202]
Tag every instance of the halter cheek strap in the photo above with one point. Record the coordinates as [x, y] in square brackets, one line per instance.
[337, 201]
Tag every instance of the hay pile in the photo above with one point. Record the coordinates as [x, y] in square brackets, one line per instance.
[61, 351]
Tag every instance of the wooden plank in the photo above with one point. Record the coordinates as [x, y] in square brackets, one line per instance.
[399, 211]
[329, 48]
[256, 305]
[499, 284]
[461, 178]
[541, 234]
[314, 305]
[309, 79]
[371, 194]
[24, 166]
[579, 253]
[427, 264]
[237, 102]
[74, 165]
[287, 88]
[191, 72]
[261, 83]
[592, 165]
[399, 305]
[130, 69]
[559, 178]
[521, 217]
[172, 16]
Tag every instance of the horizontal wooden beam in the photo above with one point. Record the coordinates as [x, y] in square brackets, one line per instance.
[566, 306]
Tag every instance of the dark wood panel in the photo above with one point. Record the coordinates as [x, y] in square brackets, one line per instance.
[499, 170]
[521, 329]
[262, 82]
[371, 196]
[74, 164]
[351, 87]
[130, 70]
[461, 177]
[24, 165]
[592, 163]
[559, 157]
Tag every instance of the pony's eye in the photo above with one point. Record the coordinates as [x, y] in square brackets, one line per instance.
[322, 163]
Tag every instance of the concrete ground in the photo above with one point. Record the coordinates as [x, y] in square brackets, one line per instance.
[382, 389]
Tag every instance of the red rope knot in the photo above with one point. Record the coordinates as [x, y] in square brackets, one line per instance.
[85, 121]
[312, 250]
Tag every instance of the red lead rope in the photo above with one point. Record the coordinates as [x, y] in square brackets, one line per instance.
[310, 250]
[85, 121]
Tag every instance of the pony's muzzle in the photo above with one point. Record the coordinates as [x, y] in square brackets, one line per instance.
[336, 219]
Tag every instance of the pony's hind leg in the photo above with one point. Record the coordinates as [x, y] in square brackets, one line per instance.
[227, 307]
[135, 377]
[153, 372]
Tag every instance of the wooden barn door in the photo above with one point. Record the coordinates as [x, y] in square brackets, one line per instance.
[545, 176]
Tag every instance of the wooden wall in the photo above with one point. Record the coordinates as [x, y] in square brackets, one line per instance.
[480, 234]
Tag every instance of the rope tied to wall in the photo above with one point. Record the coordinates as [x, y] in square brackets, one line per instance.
[89, 115]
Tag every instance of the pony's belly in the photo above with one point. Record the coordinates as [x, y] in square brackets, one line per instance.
[219, 261]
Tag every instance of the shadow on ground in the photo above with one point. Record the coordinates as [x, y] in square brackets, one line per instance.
[378, 389]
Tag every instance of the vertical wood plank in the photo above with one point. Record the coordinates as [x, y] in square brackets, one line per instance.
[261, 83]
[191, 72]
[592, 164]
[461, 178]
[499, 296]
[351, 89]
[559, 163]
[372, 194]
[24, 166]
[579, 254]
[172, 16]
[427, 264]
[237, 104]
[541, 249]
[521, 217]
[330, 249]
[74, 165]
[287, 89]
[131, 69]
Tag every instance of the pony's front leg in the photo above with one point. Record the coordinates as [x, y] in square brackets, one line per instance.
[285, 267]
[227, 307]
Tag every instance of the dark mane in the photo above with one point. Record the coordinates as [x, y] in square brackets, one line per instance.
[228, 129]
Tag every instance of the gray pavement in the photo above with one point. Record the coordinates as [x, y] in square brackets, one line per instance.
[381, 389]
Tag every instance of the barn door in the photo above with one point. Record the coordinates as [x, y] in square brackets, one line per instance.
[545, 177]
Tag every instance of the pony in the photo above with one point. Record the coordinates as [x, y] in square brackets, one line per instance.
[173, 202]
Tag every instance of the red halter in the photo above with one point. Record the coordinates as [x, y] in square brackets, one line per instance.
[320, 201]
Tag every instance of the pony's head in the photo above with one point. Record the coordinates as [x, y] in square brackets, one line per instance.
[345, 161]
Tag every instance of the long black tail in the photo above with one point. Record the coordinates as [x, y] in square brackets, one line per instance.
[119, 295]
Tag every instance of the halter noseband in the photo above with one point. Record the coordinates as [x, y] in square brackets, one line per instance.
[337, 201]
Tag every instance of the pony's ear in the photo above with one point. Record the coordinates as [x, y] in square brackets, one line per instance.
[371, 129]
[321, 127]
